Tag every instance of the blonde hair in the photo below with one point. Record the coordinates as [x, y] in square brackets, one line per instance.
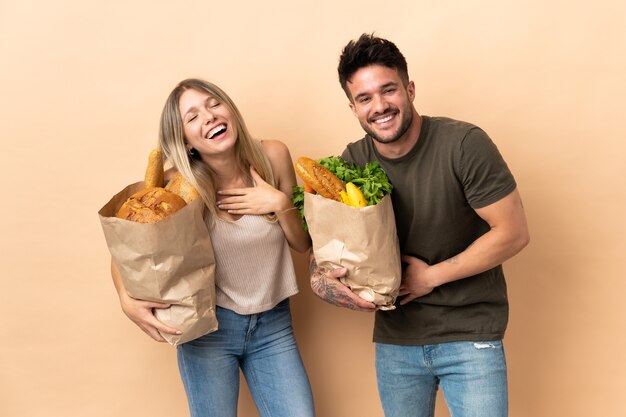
[172, 141]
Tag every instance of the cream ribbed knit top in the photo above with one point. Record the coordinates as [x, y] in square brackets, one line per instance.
[254, 270]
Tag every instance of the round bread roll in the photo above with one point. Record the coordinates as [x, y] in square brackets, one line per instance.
[150, 205]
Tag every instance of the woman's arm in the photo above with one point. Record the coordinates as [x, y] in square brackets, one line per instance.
[285, 177]
[141, 312]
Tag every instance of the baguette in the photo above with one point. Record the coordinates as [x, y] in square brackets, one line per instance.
[154, 172]
[319, 178]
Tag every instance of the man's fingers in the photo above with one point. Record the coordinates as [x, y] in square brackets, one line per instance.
[334, 292]
[364, 305]
[327, 286]
[337, 273]
[354, 302]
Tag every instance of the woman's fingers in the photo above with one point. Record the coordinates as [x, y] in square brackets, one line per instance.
[142, 313]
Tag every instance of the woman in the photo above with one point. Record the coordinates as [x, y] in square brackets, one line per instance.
[246, 186]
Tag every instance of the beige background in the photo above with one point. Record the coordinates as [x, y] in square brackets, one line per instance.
[81, 88]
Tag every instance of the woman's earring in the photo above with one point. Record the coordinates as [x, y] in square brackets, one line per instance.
[193, 153]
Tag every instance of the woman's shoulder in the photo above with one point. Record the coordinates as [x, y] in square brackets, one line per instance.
[275, 150]
[273, 146]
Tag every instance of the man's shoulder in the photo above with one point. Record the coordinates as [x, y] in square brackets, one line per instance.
[442, 122]
[455, 133]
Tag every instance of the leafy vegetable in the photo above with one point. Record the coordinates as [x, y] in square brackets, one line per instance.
[298, 202]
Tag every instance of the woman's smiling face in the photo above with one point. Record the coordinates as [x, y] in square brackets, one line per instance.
[208, 124]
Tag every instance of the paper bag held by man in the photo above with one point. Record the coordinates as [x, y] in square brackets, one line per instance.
[348, 212]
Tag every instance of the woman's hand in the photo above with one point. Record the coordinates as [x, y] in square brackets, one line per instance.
[142, 314]
[139, 311]
[260, 199]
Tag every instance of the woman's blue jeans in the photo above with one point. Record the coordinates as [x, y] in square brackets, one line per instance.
[472, 376]
[264, 348]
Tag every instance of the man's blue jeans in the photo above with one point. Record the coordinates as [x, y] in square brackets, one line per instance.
[264, 347]
[472, 376]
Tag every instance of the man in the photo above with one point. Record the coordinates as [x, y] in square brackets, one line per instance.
[459, 216]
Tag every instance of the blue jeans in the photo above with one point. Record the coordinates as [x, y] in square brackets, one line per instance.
[472, 376]
[264, 347]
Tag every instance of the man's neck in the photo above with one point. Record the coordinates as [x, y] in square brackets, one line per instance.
[403, 145]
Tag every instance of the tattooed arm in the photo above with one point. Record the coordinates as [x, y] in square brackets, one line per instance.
[327, 286]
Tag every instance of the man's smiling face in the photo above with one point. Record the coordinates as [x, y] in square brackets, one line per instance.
[381, 102]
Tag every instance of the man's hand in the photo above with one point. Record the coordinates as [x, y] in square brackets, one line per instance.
[327, 286]
[415, 281]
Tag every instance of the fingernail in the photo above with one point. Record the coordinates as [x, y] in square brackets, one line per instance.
[179, 332]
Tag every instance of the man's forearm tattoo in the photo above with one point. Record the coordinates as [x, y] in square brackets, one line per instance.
[327, 289]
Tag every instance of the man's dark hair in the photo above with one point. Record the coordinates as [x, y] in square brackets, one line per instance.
[370, 50]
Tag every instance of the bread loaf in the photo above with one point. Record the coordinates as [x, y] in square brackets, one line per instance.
[154, 171]
[318, 177]
[150, 205]
[153, 202]
[180, 186]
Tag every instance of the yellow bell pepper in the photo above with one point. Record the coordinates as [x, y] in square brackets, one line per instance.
[355, 196]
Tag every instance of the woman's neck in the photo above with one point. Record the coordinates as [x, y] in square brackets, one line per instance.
[228, 173]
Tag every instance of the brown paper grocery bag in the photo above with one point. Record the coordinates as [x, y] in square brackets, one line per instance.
[170, 261]
[363, 240]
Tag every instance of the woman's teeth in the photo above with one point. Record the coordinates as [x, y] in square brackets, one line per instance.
[213, 132]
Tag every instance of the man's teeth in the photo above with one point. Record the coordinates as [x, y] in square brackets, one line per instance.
[384, 119]
[215, 131]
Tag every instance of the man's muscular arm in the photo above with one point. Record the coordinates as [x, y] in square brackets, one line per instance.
[327, 286]
[508, 235]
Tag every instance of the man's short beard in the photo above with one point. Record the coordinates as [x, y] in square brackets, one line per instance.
[404, 126]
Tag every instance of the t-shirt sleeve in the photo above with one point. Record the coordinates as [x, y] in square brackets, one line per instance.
[485, 175]
[346, 155]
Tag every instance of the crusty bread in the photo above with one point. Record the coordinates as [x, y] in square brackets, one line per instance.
[181, 187]
[318, 177]
[150, 205]
[154, 171]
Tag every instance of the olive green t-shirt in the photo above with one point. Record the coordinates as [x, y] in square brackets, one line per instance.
[453, 169]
